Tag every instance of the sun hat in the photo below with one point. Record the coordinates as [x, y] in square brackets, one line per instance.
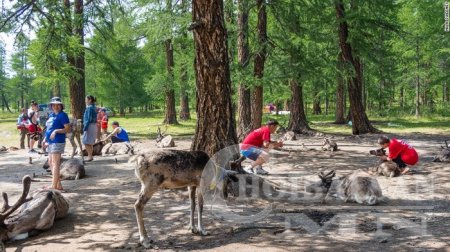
[56, 100]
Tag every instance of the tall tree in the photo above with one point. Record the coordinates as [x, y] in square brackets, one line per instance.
[360, 121]
[297, 117]
[340, 89]
[244, 104]
[216, 124]
[171, 114]
[184, 99]
[260, 58]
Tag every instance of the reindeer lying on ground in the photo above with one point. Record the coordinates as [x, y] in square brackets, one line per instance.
[168, 170]
[329, 145]
[384, 167]
[37, 213]
[444, 155]
[71, 169]
[356, 187]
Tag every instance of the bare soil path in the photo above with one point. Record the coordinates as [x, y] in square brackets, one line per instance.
[416, 216]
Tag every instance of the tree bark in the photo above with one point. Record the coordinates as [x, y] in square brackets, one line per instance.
[417, 81]
[360, 121]
[244, 105]
[260, 58]
[184, 99]
[297, 118]
[77, 90]
[171, 114]
[340, 92]
[216, 124]
[317, 110]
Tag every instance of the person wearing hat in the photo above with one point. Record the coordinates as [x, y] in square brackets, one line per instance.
[118, 134]
[90, 126]
[58, 125]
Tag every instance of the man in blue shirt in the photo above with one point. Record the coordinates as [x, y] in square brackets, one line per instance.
[118, 134]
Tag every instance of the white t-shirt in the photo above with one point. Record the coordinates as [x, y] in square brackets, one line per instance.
[35, 117]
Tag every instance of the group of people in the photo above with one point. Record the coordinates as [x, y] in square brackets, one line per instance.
[257, 144]
[58, 124]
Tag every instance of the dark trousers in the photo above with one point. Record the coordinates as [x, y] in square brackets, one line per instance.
[398, 160]
[115, 139]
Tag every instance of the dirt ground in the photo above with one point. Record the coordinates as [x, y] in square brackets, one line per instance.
[415, 216]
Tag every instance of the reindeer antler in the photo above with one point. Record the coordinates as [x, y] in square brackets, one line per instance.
[7, 210]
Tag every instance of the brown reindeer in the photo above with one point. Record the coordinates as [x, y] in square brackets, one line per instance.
[168, 170]
[36, 214]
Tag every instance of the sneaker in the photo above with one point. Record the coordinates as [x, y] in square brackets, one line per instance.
[249, 169]
[261, 171]
[32, 151]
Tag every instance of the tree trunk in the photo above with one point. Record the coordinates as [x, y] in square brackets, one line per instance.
[184, 99]
[360, 122]
[340, 92]
[317, 110]
[297, 118]
[171, 113]
[417, 81]
[260, 58]
[244, 104]
[401, 98]
[216, 124]
[184, 102]
[76, 81]
[57, 90]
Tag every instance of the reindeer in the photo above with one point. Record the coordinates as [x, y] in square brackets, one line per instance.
[356, 187]
[384, 167]
[71, 169]
[329, 145]
[37, 213]
[444, 155]
[172, 169]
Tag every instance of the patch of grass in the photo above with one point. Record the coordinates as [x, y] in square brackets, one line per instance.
[145, 125]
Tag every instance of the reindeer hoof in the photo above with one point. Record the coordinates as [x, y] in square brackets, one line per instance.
[146, 242]
[193, 229]
[203, 232]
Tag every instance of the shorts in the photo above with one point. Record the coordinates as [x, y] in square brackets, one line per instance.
[56, 148]
[252, 153]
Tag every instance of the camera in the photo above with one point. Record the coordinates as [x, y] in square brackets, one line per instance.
[378, 152]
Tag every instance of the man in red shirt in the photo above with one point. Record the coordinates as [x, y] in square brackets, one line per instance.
[400, 152]
[252, 144]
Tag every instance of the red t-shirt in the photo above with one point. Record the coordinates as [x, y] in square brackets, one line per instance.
[402, 148]
[256, 138]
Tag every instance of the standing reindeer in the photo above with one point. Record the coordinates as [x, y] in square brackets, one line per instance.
[172, 169]
[37, 213]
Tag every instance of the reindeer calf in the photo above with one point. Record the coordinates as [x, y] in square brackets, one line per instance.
[168, 170]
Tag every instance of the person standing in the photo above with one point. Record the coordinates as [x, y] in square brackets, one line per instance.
[58, 125]
[104, 122]
[89, 126]
[22, 125]
[33, 127]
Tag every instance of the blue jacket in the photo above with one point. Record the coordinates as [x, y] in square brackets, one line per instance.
[90, 116]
